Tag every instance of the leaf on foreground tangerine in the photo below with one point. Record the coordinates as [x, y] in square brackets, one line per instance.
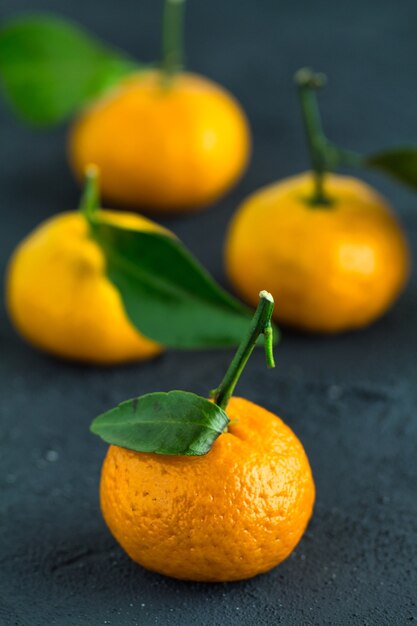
[173, 423]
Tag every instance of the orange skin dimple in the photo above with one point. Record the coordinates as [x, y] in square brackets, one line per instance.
[60, 299]
[236, 512]
[330, 269]
[172, 147]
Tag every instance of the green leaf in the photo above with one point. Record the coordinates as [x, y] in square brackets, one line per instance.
[166, 293]
[177, 422]
[400, 163]
[50, 67]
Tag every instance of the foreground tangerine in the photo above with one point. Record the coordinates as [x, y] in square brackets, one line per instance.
[231, 514]
[235, 511]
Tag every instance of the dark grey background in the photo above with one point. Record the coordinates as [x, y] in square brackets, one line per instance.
[350, 398]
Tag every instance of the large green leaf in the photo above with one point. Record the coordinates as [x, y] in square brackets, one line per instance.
[50, 67]
[177, 422]
[400, 163]
[166, 293]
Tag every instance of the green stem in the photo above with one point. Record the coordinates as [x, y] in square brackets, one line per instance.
[172, 38]
[90, 199]
[324, 155]
[261, 324]
[308, 83]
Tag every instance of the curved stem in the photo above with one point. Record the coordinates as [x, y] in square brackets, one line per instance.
[261, 324]
[172, 38]
[90, 199]
[308, 83]
[324, 155]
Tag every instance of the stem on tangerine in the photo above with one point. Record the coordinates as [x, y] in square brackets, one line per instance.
[90, 199]
[260, 325]
[172, 38]
[324, 155]
[308, 83]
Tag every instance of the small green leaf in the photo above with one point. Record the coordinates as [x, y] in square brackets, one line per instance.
[400, 163]
[50, 67]
[166, 293]
[177, 422]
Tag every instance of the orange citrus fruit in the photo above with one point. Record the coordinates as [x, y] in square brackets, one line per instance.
[60, 299]
[236, 512]
[169, 147]
[331, 268]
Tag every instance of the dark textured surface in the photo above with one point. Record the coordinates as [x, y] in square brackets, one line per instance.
[351, 399]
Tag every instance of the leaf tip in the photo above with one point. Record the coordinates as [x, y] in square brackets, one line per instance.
[93, 427]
